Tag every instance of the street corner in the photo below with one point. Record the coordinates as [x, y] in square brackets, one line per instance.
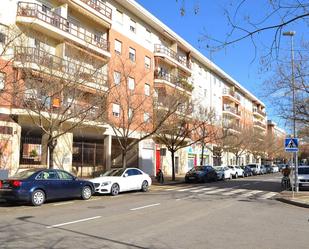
[300, 199]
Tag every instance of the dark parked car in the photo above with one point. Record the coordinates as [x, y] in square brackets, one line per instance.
[247, 171]
[263, 170]
[268, 169]
[201, 174]
[37, 186]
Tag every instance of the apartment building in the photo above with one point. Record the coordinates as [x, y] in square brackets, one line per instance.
[109, 46]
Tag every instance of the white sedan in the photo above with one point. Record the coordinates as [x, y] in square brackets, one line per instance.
[223, 172]
[120, 180]
[237, 171]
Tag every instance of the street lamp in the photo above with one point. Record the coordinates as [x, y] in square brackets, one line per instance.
[291, 34]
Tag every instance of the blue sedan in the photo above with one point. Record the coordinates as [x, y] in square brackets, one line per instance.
[37, 186]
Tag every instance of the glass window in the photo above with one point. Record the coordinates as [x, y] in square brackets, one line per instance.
[131, 83]
[132, 54]
[48, 175]
[117, 77]
[2, 80]
[116, 110]
[132, 26]
[133, 172]
[147, 89]
[118, 46]
[65, 176]
[148, 35]
[147, 62]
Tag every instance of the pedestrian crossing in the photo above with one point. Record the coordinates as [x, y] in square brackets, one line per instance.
[228, 192]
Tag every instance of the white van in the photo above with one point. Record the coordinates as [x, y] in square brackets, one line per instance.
[303, 176]
[256, 168]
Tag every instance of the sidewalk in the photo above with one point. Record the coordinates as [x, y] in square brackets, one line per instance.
[300, 199]
[168, 180]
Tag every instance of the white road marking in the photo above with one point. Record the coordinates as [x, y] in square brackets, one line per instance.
[248, 194]
[169, 189]
[247, 184]
[73, 222]
[151, 205]
[186, 189]
[116, 196]
[267, 196]
[185, 198]
[216, 191]
[234, 192]
[63, 203]
[202, 189]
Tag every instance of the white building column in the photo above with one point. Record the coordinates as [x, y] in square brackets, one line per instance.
[108, 151]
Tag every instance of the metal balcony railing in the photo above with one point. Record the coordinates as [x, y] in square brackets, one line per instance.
[232, 93]
[263, 113]
[170, 53]
[36, 11]
[100, 7]
[231, 109]
[51, 62]
[260, 124]
[177, 81]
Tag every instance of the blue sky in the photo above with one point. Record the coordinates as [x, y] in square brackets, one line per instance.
[238, 60]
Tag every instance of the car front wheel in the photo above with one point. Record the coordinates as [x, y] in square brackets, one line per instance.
[38, 197]
[86, 193]
[144, 186]
[115, 189]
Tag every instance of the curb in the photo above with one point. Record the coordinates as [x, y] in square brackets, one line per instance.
[168, 183]
[292, 202]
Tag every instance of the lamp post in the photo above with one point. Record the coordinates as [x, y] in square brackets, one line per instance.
[291, 34]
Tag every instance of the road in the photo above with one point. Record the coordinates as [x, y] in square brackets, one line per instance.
[241, 213]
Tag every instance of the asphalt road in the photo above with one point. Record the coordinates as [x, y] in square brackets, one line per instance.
[241, 213]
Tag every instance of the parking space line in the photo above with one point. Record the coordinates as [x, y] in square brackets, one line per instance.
[147, 206]
[73, 222]
[63, 203]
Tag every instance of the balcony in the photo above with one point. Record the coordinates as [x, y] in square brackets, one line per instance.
[259, 113]
[230, 110]
[39, 60]
[259, 125]
[233, 127]
[174, 81]
[231, 95]
[60, 28]
[96, 9]
[172, 58]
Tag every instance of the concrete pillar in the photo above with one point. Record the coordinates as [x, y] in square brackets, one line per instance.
[108, 151]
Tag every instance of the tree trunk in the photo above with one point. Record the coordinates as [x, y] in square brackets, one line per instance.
[51, 147]
[173, 165]
[124, 159]
[202, 158]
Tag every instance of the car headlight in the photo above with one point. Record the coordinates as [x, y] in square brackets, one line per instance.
[106, 183]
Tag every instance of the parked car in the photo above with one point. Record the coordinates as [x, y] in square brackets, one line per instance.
[268, 168]
[121, 180]
[303, 177]
[201, 174]
[255, 168]
[38, 185]
[275, 169]
[247, 171]
[263, 170]
[237, 171]
[223, 172]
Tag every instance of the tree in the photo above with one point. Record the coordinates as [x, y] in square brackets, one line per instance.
[59, 95]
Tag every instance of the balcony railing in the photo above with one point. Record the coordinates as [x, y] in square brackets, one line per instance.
[231, 109]
[177, 81]
[67, 68]
[232, 93]
[172, 54]
[260, 124]
[100, 7]
[263, 113]
[36, 11]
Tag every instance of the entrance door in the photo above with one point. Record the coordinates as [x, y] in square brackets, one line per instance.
[177, 165]
[158, 160]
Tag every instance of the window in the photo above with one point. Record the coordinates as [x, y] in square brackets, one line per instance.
[131, 83]
[119, 17]
[116, 110]
[147, 89]
[148, 35]
[118, 46]
[98, 36]
[130, 113]
[2, 80]
[117, 78]
[146, 117]
[132, 26]
[147, 62]
[2, 37]
[65, 176]
[132, 54]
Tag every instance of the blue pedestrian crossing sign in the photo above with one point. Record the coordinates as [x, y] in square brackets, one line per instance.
[291, 144]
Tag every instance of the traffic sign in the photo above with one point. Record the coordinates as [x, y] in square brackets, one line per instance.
[291, 144]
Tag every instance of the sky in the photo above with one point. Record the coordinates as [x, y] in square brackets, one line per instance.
[240, 60]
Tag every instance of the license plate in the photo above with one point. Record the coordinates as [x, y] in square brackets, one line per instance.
[305, 184]
[5, 185]
[191, 177]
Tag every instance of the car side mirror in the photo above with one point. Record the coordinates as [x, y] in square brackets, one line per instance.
[125, 175]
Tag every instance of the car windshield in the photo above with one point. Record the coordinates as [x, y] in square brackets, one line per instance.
[198, 168]
[114, 172]
[24, 174]
[219, 168]
[251, 166]
[303, 171]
